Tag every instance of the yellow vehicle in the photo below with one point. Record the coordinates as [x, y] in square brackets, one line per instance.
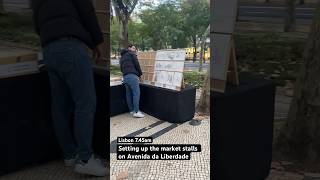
[207, 54]
[190, 51]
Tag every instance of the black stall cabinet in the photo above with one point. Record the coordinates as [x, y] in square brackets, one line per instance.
[118, 103]
[26, 133]
[164, 104]
[242, 122]
[101, 136]
[168, 105]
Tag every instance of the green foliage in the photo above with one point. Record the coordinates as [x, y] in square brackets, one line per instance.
[195, 78]
[115, 70]
[114, 35]
[136, 36]
[270, 55]
[18, 28]
[164, 25]
[167, 25]
[196, 17]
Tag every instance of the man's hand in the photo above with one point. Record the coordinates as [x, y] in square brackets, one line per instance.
[140, 79]
[97, 53]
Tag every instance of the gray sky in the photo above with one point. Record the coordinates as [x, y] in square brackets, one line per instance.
[138, 8]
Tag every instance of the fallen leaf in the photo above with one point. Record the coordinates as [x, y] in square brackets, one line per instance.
[122, 175]
[186, 131]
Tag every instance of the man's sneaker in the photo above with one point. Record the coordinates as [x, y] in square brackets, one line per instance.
[138, 115]
[102, 160]
[69, 162]
[131, 112]
[93, 167]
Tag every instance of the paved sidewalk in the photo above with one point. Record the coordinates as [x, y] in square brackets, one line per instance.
[279, 172]
[283, 175]
[50, 171]
[196, 168]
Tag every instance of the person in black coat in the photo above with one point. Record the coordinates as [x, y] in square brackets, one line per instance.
[132, 73]
[66, 28]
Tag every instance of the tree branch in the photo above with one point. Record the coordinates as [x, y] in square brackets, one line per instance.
[135, 2]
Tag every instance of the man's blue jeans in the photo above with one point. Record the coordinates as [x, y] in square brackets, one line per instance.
[131, 82]
[73, 91]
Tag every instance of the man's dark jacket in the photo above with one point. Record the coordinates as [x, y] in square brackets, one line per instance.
[56, 19]
[129, 63]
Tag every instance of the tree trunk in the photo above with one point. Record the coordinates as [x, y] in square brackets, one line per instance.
[300, 136]
[290, 19]
[194, 39]
[201, 57]
[123, 11]
[124, 36]
[203, 43]
[204, 102]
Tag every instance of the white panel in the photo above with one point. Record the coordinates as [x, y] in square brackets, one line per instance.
[221, 48]
[171, 55]
[169, 66]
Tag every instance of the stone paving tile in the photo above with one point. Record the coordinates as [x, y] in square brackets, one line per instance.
[124, 124]
[51, 171]
[196, 168]
[155, 129]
